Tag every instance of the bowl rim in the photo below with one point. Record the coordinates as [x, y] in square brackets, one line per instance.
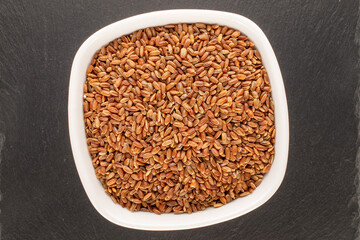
[157, 18]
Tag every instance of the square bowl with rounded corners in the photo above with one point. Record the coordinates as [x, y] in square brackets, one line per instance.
[150, 221]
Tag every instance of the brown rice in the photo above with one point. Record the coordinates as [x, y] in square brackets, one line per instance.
[179, 118]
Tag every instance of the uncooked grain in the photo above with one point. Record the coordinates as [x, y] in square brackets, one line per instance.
[179, 118]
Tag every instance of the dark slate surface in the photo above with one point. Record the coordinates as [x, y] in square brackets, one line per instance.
[41, 194]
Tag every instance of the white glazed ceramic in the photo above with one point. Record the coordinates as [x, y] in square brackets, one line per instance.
[150, 221]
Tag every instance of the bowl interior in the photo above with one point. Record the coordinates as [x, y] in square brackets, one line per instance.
[149, 221]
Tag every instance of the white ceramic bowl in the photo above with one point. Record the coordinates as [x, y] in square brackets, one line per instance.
[150, 221]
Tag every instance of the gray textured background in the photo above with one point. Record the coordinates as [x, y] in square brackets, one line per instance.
[41, 195]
